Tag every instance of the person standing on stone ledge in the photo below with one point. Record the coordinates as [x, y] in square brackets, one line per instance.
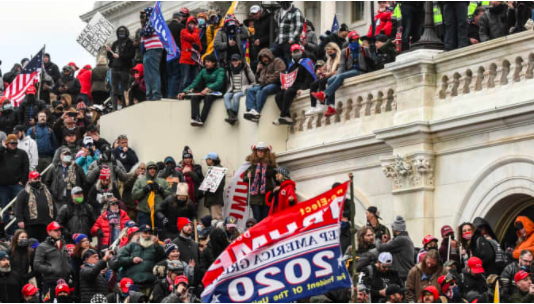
[381, 232]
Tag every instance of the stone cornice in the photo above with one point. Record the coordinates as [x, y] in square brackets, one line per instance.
[107, 9]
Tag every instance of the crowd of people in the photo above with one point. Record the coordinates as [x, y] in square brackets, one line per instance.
[94, 223]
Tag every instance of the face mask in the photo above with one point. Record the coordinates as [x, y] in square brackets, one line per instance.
[201, 22]
[78, 200]
[67, 158]
[35, 185]
[24, 242]
[297, 55]
[8, 107]
[122, 35]
[191, 27]
[333, 55]
[199, 227]
[354, 45]
[181, 202]
[525, 268]
[63, 299]
[467, 235]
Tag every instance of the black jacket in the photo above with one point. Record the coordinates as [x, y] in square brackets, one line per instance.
[29, 109]
[262, 32]
[470, 286]
[73, 87]
[161, 290]
[51, 263]
[170, 209]
[473, 32]
[125, 49]
[92, 281]
[21, 262]
[215, 198]
[43, 212]
[376, 281]
[55, 182]
[189, 250]
[14, 165]
[176, 28]
[76, 218]
[482, 248]
[128, 159]
[10, 288]
[304, 78]
[496, 22]
[52, 70]
[8, 120]
[95, 194]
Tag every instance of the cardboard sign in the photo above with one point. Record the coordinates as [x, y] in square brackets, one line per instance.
[213, 179]
[288, 79]
[95, 34]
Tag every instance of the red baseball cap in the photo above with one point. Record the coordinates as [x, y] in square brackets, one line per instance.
[29, 290]
[428, 238]
[53, 226]
[30, 90]
[353, 35]
[62, 288]
[181, 279]
[446, 230]
[476, 265]
[34, 174]
[72, 64]
[132, 230]
[521, 275]
[125, 284]
[295, 47]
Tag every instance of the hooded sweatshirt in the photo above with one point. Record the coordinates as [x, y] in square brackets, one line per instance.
[84, 76]
[142, 197]
[140, 81]
[529, 242]
[270, 74]
[189, 40]
[125, 49]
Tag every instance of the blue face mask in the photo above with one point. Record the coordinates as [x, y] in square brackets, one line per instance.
[8, 107]
[201, 22]
[354, 45]
[525, 268]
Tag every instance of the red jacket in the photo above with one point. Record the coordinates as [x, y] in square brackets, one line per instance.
[187, 40]
[103, 223]
[84, 76]
[141, 80]
[279, 200]
[384, 24]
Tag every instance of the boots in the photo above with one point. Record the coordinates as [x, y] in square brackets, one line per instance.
[231, 117]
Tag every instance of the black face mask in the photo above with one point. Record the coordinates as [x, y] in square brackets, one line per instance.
[63, 299]
[24, 242]
[30, 98]
[35, 185]
[181, 202]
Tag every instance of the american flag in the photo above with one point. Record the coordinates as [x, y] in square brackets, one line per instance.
[16, 91]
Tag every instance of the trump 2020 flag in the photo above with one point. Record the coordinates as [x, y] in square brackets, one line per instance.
[164, 34]
[288, 256]
[335, 25]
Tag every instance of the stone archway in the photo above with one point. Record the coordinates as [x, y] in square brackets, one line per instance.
[499, 193]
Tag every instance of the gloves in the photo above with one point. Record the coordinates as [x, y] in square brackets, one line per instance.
[100, 233]
[148, 188]
[156, 187]
[165, 221]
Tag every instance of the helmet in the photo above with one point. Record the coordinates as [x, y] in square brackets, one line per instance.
[176, 266]
[353, 35]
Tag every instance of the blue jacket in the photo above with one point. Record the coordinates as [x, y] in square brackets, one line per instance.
[45, 138]
[85, 161]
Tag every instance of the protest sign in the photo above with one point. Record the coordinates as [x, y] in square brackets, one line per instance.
[287, 79]
[95, 34]
[213, 179]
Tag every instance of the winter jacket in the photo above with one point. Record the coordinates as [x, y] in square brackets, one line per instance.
[140, 273]
[85, 161]
[92, 281]
[125, 49]
[365, 257]
[8, 120]
[211, 31]
[495, 22]
[508, 280]
[139, 82]
[60, 129]
[128, 159]
[30, 147]
[379, 230]
[188, 250]
[76, 218]
[247, 79]
[193, 179]
[29, 109]
[52, 263]
[304, 76]
[189, 41]
[529, 242]
[10, 287]
[170, 210]
[176, 27]
[279, 200]
[55, 181]
[262, 31]
[521, 297]
[139, 193]
[402, 249]
[383, 23]
[14, 165]
[259, 199]
[102, 223]
[207, 258]
[221, 43]
[96, 193]
[269, 74]
[215, 198]
[486, 249]
[52, 70]
[84, 77]
[162, 289]
[45, 138]
[73, 86]
[470, 286]
[74, 148]
[376, 281]
[21, 263]
[22, 211]
[98, 78]
[117, 170]
[386, 54]
[290, 25]
[172, 174]
[415, 283]
[347, 61]
[212, 79]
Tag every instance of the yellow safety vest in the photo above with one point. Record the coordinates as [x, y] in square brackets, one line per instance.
[438, 18]
[472, 7]
[397, 13]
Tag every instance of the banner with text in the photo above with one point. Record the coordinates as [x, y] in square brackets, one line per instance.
[95, 34]
[160, 26]
[287, 79]
[289, 256]
[235, 198]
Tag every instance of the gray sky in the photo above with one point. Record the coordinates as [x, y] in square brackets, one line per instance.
[28, 25]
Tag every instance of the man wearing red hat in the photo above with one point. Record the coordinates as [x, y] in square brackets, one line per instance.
[62, 292]
[429, 242]
[30, 293]
[52, 259]
[187, 246]
[472, 282]
[525, 288]
[447, 234]
[35, 207]
[29, 108]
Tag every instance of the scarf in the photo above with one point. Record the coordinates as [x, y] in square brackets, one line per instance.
[113, 218]
[151, 201]
[70, 177]
[258, 185]
[32, 202]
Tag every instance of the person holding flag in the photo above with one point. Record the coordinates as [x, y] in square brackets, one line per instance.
[152, 56]
[292, 86]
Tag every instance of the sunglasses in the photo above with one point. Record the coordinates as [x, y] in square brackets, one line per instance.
[13, 143]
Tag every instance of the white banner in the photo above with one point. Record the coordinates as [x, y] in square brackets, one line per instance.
[95, 34]
[235, 198]
[213, 179]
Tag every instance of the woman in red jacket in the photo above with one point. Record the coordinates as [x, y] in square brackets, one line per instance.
[109, 225]
[190, 56]
[283, 196]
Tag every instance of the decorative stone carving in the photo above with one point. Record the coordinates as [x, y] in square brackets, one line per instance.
[410, 173]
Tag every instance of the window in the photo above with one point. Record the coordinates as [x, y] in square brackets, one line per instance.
[356, 10]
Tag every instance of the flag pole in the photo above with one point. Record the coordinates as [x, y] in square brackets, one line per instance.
[41, 74]
[449, 248]
[353, 230]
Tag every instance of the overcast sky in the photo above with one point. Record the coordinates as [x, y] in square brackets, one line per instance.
[28, 25]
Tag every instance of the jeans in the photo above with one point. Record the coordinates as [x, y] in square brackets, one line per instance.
[151, 61]
[284, 99]
[413, 17]
[260, 212]
[188, 74]
[456, 26]
[335, 82]
[283, 51]
[119, 80]
[173, 78]
[7, 193]
[195, 106]
[229, 97]
[257, 95]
